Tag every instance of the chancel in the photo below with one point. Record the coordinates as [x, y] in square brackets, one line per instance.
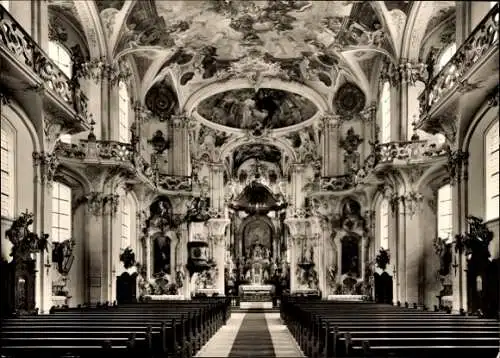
[249, 178]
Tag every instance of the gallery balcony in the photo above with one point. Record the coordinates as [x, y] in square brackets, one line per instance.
[174, 182]
[95, 157]
[392, 154]
[464, 82]
[28, 74]
[409, 152]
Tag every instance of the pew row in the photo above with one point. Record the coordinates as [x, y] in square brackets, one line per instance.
[166, 329]
[340, 329]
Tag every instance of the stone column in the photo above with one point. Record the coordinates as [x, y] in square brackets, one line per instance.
[217, 187]
[297, 199]
[459, 188]
[414, 251]
[298, 232]
[399, 213]
[94, 246]
[180, 159]
[394, 243]
[112, 226]
[100, 209]
[216, 228]
[141, 116]
[180, 257]
[331, 152]
[44, 169]
[148, 257]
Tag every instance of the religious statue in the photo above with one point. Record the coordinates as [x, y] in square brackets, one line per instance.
[351, 156]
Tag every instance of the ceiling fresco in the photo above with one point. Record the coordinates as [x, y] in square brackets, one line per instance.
[282, 29]
[250, 109]
[260, 152]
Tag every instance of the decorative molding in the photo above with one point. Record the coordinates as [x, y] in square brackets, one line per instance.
[457, 160]
[48, 164]
[99, 204]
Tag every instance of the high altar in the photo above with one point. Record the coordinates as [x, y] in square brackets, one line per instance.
[263, 212]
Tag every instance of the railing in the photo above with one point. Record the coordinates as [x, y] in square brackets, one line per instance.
[104, 150]
[336, 183]
[20, 44]
[408, 151]
[174, 182]
[481, 40]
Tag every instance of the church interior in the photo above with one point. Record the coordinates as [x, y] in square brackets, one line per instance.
[193, 177]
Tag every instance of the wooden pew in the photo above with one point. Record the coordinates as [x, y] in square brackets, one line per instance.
[328, 328]
[169, 329]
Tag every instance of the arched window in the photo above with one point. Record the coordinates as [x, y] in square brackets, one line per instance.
[61, 56]
[446, 56]
[61, 212]
[492, 172]
[384, 224]
[385, 105]
[123, 107]
[7, 169]
[125, 223]
[444, 212]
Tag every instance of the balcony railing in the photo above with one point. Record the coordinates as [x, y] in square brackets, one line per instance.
[409, 151]
[20, 44]
[174, 182]
[96, 150]
[481, 40]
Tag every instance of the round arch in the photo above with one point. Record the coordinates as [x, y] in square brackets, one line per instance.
[190, 104]
[91, 23]
[250, 221]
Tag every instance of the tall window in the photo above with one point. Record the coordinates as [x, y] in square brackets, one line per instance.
[385, 105]
[446, 56]
[7, 169]
[61, 56]
[123, 106]
[444, 212]
[492, 172]
[125, 223]
[384, 224]
[61, 212]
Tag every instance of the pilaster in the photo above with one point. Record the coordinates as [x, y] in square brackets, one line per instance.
[180, 145]
[216, 228]
[44, 168]
[332, 125]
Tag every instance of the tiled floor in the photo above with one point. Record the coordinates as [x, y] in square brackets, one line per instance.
[252, 335]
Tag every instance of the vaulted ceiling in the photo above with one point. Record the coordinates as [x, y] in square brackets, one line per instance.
[313, 49]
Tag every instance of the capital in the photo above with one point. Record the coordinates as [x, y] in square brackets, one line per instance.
[180, 121]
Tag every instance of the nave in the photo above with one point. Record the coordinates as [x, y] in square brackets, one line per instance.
[207, 328]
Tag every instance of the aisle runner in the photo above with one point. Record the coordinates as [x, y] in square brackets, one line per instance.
[253, 338]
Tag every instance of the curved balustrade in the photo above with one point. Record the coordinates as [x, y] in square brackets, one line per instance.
[104, 150]
[20, 44]
[408, 151]
[174, 182]
[481, 40]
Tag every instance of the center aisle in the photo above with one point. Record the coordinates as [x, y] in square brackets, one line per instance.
[253, 338]
[260, 335]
